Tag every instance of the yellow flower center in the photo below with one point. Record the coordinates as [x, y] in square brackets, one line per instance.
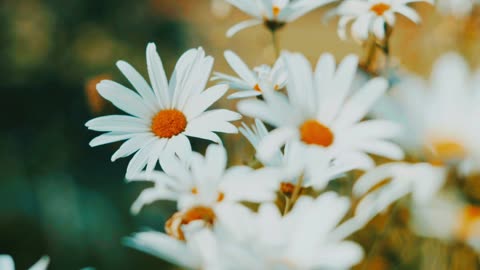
[313, 132]
[173, 226]
[380, 8]
[287, 188]
[168, 123]
[276, 10]
[448, 149]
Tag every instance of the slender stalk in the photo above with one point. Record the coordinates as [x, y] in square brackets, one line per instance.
[276, 43]
[289, 202]
[386, 45]
[370, 54]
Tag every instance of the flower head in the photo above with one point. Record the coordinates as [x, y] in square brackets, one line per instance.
[305, 238]
[205, 181]
[320, 112]
[164, 114]
[251, 82]
[372, 16]
[441, 115]
[274, 14]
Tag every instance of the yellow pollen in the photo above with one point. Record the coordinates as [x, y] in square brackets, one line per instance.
[194, 191]
[276, 10]
[380, 8]
[220, 196]
[257, 88]
[313, 132]
[287, 188]
[199, 213]
[168, 123]
[448, 149]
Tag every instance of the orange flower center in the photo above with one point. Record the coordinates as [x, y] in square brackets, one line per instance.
[287, 188]
[168, 123]
[313, 132]
[257, 88]
[448, 149]
[380, 8]
[276, 10]
[173, 226]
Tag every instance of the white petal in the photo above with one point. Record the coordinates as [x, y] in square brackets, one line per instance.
[120, 123]
[240, 26]
[158, 79]
[6, 263]
[111, 137]
[274, 141]
[139, 83]
[42, 264]
[198, 104]
[133, 145]
[240, 67]
[125, 99]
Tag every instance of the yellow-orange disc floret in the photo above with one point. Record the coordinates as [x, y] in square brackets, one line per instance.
[168, 123]
[313, 132]
[380, 8]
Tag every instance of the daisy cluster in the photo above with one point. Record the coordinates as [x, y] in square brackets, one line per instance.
[310, 126]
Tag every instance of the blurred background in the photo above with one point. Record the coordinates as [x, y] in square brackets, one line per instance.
[60, 197]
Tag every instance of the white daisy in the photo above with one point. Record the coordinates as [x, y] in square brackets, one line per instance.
[314, 165]
[319, 111]
[442, 116]
[449, 218]
[162, 116]
[421, 180]
[372, 16]
[199, 251]
[457, 8]
[6, 263]
[205, 181]
[250, 80]
[302, 239]
[274, 14]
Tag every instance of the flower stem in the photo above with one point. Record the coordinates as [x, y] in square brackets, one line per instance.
[290, 201]
[276, 44]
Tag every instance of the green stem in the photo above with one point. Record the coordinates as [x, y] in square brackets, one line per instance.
[276, 44]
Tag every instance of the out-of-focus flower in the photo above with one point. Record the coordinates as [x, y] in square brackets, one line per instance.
[94, 100]
[457, 8]
[250, 81]
[205, 181]
[372, 16]
[274, 14]
[166, 113]
[319, 112]
[305, 238]
[199, 251]
[314, 165]
[442, 117]
[448, 218]
[6, 263]
[421, 180]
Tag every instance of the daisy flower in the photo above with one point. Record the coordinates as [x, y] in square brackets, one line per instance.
[6, 263]
[314, 165]
[162, 116]
[199, 251]
[320, 112]
[248, 85]
[274, 14]
[302, 239]
[457, 8]
[372, 16]
[449, 218]
[205, 181]
[441, 115]
[421, 180]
